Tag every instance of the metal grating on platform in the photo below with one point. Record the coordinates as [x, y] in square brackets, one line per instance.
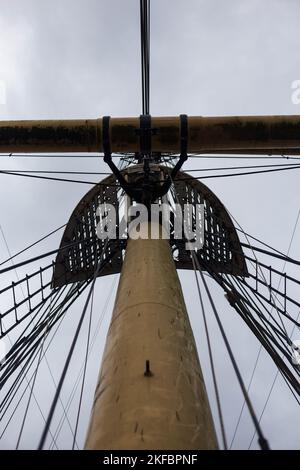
[221, 249]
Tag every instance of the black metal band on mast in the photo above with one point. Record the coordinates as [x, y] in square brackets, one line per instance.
[106, 137]
[145, 132]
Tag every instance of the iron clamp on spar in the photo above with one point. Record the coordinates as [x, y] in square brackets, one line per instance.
[145, 190]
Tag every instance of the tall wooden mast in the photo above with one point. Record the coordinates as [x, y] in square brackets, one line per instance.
[150, 392]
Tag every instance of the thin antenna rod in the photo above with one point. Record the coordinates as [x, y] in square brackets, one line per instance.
[145, 53]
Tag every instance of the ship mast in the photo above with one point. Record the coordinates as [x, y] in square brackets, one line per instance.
[150, 392]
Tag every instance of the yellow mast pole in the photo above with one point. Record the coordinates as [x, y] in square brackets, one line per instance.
[150, 393]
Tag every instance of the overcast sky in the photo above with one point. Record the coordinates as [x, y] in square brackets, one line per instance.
[81, 59]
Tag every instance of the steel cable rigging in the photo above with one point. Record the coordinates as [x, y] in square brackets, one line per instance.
[25, 371]
[98, 268]
[261, 439]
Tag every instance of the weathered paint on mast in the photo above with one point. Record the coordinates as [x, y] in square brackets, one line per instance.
[240, 134]
[166, 407]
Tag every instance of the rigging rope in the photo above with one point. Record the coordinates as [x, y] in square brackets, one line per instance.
[261, 439]
[84, 369]
[74, 292]
[70, 354]
[28, 382]
[276, 375]
[247, 235]
[269, 286]
[76, 383]
[244, 167]
[15, 386]
[65, 180]
[32, 244]
[211, 360]
[44, 255]
[235, 300]
[268, 397]
[68, 172]
[86, 155]
[275, 255]
[31, 389]
[31, 393]
[52, 172]
[244, 173]
[244, 157]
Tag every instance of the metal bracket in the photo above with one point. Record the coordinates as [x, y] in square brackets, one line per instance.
[107, 152]
[129, 190]
[145, 132]
[183, 154]
[184, 129]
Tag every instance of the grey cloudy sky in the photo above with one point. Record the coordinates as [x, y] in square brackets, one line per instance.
[81, 59]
